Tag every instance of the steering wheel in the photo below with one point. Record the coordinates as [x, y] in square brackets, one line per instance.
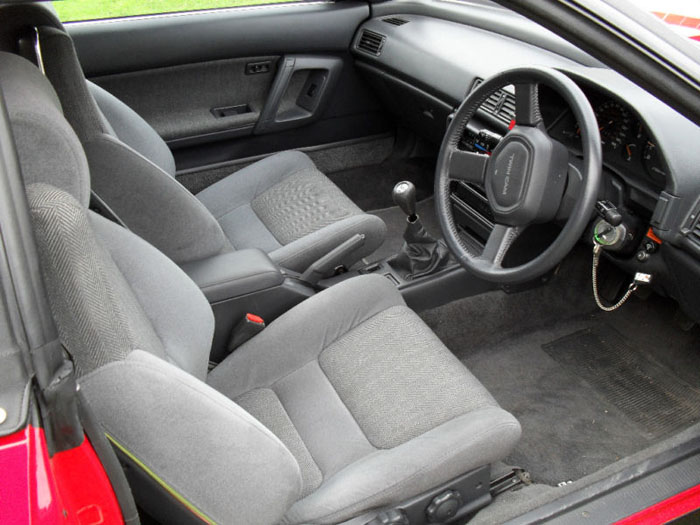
[524, 177]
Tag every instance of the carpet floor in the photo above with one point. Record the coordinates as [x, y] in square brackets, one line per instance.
[588, 387]
[370, 186]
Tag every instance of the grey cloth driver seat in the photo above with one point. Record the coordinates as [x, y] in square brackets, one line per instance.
[282, 205]
[344, 406]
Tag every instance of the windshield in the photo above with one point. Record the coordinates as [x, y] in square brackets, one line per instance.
[683, 16]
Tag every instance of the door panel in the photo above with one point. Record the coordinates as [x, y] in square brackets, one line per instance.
[233, 83]
[135, 44]
[195, 100]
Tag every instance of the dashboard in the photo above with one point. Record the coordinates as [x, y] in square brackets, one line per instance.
[422, 67]
[630, 150]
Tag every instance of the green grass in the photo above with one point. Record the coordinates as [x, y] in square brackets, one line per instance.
[70, 10]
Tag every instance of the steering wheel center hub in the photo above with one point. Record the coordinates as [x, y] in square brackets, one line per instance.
[508, 174]
[526, 176]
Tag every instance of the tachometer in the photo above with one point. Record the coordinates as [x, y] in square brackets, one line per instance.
[614, 122]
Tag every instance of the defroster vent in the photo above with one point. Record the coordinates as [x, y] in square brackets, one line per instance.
[396, 21]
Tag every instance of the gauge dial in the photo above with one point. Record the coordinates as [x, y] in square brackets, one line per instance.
[654, 163]
[614, 122]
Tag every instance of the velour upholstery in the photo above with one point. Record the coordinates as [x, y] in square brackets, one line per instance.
[282, 205]
[132, 130]
[208, 450]
[346, 404]
[147, 199]
[42, 136]
[286, 207]
[370, 402]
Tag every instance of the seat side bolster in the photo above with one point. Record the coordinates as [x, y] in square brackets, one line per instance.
[388, 477]
[184, 433]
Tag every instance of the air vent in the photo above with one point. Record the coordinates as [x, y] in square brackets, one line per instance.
[694, 234]
[395, 21]
[500, 104]
[371, 42]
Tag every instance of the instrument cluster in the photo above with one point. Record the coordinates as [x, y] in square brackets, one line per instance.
[628, 146]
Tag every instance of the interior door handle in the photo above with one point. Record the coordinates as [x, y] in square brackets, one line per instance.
[303, 102]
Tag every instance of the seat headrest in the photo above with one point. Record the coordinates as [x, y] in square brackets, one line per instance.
[17, 19]
[48, 149]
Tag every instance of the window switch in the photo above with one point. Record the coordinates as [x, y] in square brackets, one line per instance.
[255, 68]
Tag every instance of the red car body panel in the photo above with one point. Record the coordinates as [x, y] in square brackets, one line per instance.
[70, 487]
[667, 510]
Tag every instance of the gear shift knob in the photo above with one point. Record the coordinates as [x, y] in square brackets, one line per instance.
[404, 195]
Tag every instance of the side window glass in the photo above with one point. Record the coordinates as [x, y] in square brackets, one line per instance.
[76, 10]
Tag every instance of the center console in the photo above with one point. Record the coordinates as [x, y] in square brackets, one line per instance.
[422, 270]
[248, 282]
[241, 282]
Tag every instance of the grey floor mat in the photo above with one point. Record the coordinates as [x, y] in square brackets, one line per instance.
[569, 429]
[643, 390]
[574, 421]
[395, 221]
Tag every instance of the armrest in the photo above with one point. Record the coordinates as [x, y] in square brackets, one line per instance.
[234, 274]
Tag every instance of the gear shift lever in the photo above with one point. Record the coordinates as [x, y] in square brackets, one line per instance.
[420, 254]
[404, 195]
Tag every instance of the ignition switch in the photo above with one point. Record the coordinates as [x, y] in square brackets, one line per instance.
[608, 236]
[610, 232]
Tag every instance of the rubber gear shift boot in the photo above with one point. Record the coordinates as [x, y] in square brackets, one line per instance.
[421, 254]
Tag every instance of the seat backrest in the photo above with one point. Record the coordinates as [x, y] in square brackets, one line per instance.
[125, 124]
[139, 332]
[131, 167]
[107, 302]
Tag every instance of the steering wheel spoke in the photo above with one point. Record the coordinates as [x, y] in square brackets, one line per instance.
[467, 166]
[527, 105]
[499, 241]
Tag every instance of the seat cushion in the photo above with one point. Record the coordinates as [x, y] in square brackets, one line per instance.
[373, 406]
[286, 207]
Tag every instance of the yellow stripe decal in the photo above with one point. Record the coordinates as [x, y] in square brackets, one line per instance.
[194, 510]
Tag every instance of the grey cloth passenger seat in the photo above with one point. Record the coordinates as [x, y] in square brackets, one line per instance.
[345, 405]
[283, 204]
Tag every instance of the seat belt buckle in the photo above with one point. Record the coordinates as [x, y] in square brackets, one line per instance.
[247, 328]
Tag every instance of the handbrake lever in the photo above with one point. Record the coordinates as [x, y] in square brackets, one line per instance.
[332, 261]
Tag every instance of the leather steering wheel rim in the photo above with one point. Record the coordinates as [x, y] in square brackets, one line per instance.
[455, 164]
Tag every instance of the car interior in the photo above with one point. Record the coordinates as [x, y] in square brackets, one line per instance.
[412, 261]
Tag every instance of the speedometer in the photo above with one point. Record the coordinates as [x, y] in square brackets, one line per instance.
[614, 122]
